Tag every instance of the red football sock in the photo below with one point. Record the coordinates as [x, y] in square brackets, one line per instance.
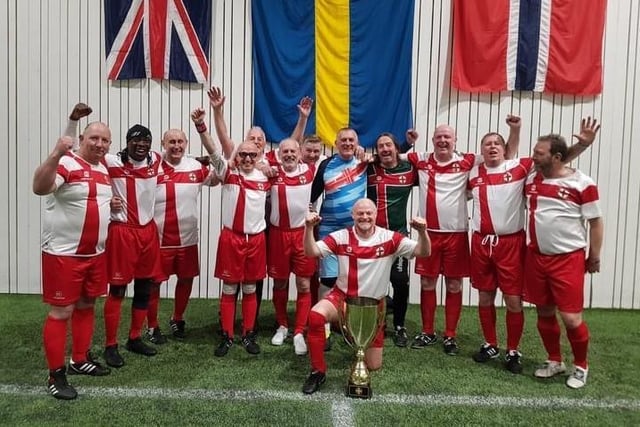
[112, 309]
[452, 309]
[183, 293]
[428, 310]
[549, 330]
[82, 322]
[249, 310]
[515, 326]
[303, 306]
[579, 340]
[228, 313]
[154, 304]
[138, 316]
[54, 336]
[316, 341]
[280, 297]
[487, 315]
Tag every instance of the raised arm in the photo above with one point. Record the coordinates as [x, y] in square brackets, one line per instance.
[44, 177]
[423, 248]
[216, 100]
[197, 116]
[310, 246]
[304, 109]
[588, 131]
[596, 233]
[513, 141]
[79, 111]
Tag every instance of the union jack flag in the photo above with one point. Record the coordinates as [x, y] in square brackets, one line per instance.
[158, 39]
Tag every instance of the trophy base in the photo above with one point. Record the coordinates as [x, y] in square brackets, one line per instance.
[359, 391]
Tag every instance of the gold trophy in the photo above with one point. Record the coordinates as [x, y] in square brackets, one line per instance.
[360, 321]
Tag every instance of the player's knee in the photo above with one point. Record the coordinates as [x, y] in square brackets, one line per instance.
[117, 291]
[61, 312]
[249, 288]
[141, 293]
[229, 289]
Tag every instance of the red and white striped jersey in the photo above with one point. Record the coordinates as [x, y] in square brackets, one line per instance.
[177, 195]
[243, 198]
[498, 196]
[443, 189]
[76, 214]
[365, 263]
[558, 210]
[290, 193]
[135, 184]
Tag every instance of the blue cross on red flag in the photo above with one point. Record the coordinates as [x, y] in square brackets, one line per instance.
[158, 39]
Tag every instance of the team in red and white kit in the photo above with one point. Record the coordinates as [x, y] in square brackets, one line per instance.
[176, 213]
[152, 201]
[290, 193]
[77, 191]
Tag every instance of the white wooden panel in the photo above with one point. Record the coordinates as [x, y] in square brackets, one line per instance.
[7, 285]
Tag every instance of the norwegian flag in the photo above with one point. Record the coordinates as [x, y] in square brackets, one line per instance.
[158, 39]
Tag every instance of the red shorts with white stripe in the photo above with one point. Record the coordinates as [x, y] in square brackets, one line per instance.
[338, 298]
[183, 262]
[286, 254]
[498, 262]
[555, 280]
[241, 258]
[133, 253]
[449, 256]
[66, 278]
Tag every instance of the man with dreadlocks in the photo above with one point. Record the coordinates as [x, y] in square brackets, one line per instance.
[133, 248]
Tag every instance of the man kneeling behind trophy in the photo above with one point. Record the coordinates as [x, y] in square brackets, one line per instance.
[365, 255]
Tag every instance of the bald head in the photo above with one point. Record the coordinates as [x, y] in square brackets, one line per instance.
[174, 143]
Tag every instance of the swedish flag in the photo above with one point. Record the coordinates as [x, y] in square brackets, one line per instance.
[352, 56]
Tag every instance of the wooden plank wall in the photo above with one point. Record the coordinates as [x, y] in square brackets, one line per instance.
[53, 56]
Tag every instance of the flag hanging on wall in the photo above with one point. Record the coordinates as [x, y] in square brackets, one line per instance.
[158, 39]
[538, 45]
[353, 57]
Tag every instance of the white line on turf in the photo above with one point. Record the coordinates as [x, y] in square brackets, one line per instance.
[342, 413]
[336, 398]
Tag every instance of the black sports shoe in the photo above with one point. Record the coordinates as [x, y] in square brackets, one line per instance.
[224, 346]
[138, 346]
[400, 337]
[177, 328]
[59, 387]
[486, 352]
[313, 383]
[155, 336]
[249, 343]
[423, 340]
[89, 367]
[450, 346]
[512, 362]
[112, 356]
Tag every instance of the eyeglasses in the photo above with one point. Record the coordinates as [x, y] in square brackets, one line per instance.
[244, 154]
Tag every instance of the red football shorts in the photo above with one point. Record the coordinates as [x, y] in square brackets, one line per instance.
[241, 258]
[449, 256]
[286, 254]
[555, 280]
[498, 262]
[133, 252]
[183, 262]
[66, 278]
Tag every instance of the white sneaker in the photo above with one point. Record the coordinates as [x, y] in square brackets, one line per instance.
[578, 378]
[299, 345]
[550, 369]
[280, 335]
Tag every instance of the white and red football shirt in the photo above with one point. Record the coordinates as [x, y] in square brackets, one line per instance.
[558, 209]
[135, 183]
[443, 190]
[176, 212]
[76, 214]
[498, 196]
[364, 263]
[243, 197]
[290, 193]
